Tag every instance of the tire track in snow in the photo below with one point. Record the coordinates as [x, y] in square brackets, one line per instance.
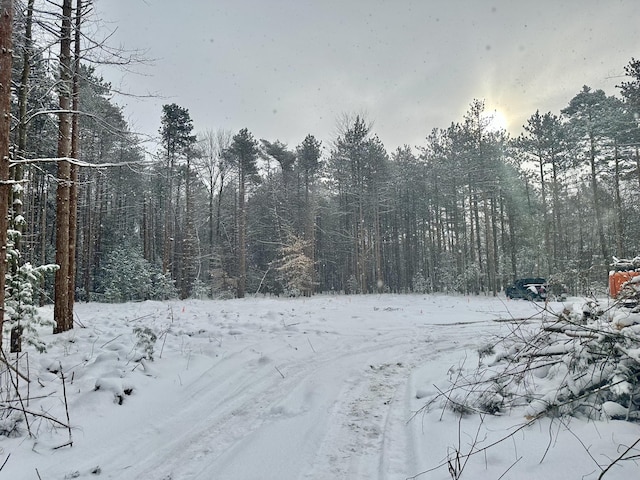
[370, 435]
[239, 403]
[348, 399]
[326, 384]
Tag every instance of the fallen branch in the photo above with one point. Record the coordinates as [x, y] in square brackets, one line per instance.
[37, 414]
[621, 457]
[66, 406]
[15, 369]
[114, 338]
[5, 462]
[14, 384]
[314, 350]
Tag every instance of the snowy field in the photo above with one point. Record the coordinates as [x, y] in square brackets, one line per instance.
[332, 387]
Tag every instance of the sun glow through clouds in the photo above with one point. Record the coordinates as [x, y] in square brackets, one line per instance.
[496, 120]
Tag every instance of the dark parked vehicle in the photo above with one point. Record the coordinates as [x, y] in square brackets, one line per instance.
[528, 288]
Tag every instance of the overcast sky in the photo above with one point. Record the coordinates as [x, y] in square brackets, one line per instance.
[287, 68]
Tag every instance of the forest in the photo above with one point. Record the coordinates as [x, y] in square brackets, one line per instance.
[217, 214]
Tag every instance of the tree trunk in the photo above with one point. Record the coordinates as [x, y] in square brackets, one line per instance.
[61, 293]
[17, 175]
[488, 240]
[168, 223]
[87, 246]
[619, 216]
[361, 248]
[476, 220]
[190, 268]
[378, 246]
[146, 230]
[75, 153]
[242, 225]
[559, 247]
[6, 61]
[309, 236]
[637, 157]
[596, 197]
[18, 172]
[43, 236]
[545, 214]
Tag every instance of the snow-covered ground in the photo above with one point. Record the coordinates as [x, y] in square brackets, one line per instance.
[331, 387]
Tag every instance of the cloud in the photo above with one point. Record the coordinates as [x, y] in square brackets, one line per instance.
[285, 68]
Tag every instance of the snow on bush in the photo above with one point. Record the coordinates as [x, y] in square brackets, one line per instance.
[20, 306]
[128, 276]
[116, 386]
[97, 364]
[11, 425]
[584, 361]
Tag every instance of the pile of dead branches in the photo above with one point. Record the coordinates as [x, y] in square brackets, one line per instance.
[583, 361]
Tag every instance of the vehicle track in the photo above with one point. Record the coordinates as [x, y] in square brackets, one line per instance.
[337, 411]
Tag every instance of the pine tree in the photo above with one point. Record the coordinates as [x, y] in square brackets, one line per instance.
[244, 153]
[359, 164]
[309, 163]
[178, 144]
[630, 90]
[21, 314]
[589, 118]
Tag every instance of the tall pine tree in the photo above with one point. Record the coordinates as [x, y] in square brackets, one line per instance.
[177, 143]
[244, 153]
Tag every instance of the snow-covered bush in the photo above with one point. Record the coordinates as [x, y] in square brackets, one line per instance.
[295, 268]
[128, 276]
[468, 280]
[146, 340]
[12, 424]
[21, 282]
[200, 290]
[446, 278]
[20, 306]
[353, 286]
[420, 284]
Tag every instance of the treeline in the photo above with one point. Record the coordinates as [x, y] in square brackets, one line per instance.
[222, 213]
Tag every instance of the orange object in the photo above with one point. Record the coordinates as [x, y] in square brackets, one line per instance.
[617, 279]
